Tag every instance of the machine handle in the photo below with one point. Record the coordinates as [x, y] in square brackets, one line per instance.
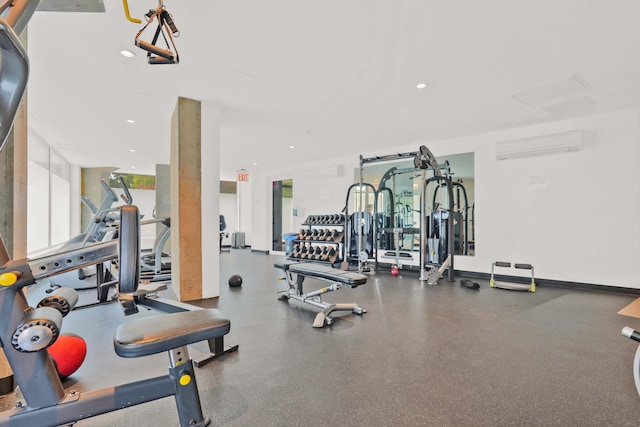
[107, 189]
[126, 13]
[630, 333]
[523, 266]
[127, 197]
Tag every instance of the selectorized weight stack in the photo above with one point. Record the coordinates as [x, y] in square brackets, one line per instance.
[360, 226]
[432, 267]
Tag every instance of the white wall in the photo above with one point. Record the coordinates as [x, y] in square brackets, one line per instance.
[49, 184]
[313, 193]
[145, 200]
[244, 208]
[570, 228]
[581, 226]
[228, 208]
[37, 207]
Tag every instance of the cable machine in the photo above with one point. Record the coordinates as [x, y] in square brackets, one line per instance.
[395, 220]
[166, 28]
[432, 267]
[360, 227]
[460, 216]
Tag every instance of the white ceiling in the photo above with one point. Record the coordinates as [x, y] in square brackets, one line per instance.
[330, 77]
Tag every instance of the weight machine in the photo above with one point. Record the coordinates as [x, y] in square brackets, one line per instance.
[433, 260]
[26, 332]
[460, 217]
[392, 229]
[360, 227]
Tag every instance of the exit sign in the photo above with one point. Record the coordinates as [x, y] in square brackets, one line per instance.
[243, 176]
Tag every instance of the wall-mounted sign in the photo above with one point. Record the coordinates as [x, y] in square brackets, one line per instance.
[243, 176]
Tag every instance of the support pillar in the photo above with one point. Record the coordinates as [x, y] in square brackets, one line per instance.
[163, 200]
[13, 185]
[195, 193]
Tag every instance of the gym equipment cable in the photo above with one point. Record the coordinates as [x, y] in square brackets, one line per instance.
[166, 27]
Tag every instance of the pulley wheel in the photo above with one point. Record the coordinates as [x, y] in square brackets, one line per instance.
[62, 299]
[39, 329]
[363, 256]
[129, 249]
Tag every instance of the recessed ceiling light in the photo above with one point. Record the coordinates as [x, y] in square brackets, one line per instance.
[292, 146]
[127, 53]
[130, 121]
[132, 151]
[421, 85]
[133, 167]
[255, 164]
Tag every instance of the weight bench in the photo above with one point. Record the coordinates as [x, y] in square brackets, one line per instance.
[141, 337]
[337, 278]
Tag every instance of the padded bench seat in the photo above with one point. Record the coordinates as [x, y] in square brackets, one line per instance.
[338, 279]
[323, 272]
[155, 334]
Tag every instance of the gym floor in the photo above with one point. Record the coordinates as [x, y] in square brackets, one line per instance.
[422, 355]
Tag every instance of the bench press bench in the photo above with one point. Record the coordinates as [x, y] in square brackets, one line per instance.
[337, 278]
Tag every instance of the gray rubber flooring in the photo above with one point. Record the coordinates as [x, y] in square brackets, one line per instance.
[422, 355]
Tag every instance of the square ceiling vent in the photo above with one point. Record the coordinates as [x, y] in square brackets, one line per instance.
[71, 6]
[553, 91]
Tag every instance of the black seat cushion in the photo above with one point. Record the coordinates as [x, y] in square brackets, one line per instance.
[324, 272]
[155, 334]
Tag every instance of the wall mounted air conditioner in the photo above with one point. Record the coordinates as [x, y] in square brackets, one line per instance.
[540, 145]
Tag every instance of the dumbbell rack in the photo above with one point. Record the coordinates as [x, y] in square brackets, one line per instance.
[321, 239]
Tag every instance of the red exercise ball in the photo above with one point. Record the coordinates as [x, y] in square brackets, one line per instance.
[68, 353]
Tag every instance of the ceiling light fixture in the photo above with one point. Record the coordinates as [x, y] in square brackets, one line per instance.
[131, 121]
[133, 167]
[421, 85]
[292, 146]
[132, 150]
[127, 53]
[255, 164]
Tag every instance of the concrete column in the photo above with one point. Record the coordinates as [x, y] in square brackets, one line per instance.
[13, 185]
[163, 199]
[194, 199]
[13, 204]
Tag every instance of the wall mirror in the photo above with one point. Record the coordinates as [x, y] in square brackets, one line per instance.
[399, 207]
[282, 217]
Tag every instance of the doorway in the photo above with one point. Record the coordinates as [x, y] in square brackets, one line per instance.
[282, 217]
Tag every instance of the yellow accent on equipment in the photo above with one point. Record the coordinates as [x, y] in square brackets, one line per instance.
[126, 13]
[185, 379]
[8, 279]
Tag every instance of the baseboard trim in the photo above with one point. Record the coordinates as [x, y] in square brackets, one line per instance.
[259, 251]
[550, 282]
